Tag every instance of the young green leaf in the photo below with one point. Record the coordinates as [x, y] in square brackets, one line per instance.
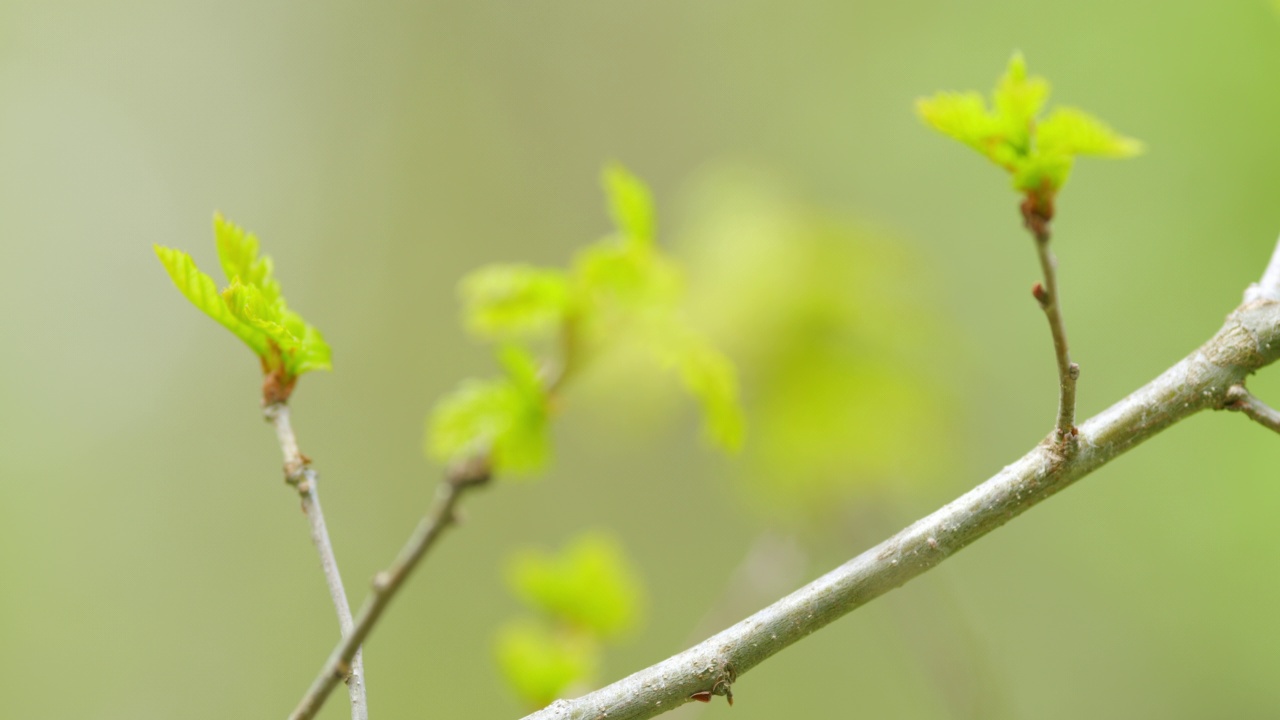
[1038, 153]
[238, 254]
[962, 116]
[506, 302]
[1070, 131]
[1018, 99]
[588, 585]
[707, 375]
[630, 204]
[311, 351]
[506, 416]
[627, 277]
[251, 306]
[200, 289]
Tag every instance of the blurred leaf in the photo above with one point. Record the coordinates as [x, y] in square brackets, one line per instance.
[539, 664]
[251, 306]
[1018, 99]
[589, 585]
[630, 205]
[620, 288]
[511, 301]
[707, 375]
[962, 116]
[506, 416]
[835, 335]
[637, 278]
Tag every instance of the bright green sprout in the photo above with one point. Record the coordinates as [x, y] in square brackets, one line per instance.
[621, 287]
[1039, 153]
[251, 307]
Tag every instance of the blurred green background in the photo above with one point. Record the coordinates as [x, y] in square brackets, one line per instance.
[153, 565]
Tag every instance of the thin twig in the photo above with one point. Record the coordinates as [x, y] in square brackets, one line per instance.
[1248, 341]
[298, 473]
[471, 473]
[1047, 296]
[1243, 401]
[387, 583]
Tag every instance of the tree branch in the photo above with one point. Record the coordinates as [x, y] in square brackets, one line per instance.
[1243, 401]
[1268, 288]
[471, 473]
[387, 583]
[298, 473]
[1047, 296]
[1249, 340]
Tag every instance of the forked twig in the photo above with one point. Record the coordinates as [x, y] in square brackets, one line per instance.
[1248, 341]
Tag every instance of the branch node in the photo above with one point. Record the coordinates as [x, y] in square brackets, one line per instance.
[1238, 399]
[381, 582]
[1042, 297]
[472, 472]
[1037, 212]
[1235, 397]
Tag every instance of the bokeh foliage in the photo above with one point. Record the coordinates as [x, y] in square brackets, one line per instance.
[382, 150]
[584, 596]
[620, 289]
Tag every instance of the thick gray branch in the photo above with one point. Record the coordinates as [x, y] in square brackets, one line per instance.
[298, 473]
[1249, 340]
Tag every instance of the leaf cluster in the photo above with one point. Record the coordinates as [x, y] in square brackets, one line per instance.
[620, 287]
[251, 305]
[583, 596]
[1038, 152]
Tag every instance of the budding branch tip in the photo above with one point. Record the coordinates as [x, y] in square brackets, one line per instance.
[1040, 294]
